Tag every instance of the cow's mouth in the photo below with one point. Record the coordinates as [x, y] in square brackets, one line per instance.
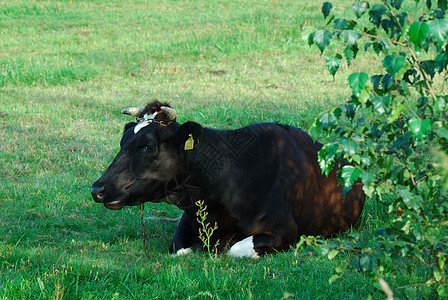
[115, 205]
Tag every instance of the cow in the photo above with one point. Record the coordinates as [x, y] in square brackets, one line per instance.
[262, 185]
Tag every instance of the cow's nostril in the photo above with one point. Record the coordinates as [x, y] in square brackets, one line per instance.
[128, 187]
[98, 193]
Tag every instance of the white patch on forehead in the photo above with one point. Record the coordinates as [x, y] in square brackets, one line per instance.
[244, 248]
[146, 120]
[140, 125]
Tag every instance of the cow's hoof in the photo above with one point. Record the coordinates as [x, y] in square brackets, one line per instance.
[244, 248]
[183, 251]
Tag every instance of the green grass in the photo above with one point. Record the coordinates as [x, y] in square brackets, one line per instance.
[67, 68]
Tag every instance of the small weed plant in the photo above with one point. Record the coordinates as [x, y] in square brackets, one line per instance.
[205, 235]
[388, 132]
[206, 230]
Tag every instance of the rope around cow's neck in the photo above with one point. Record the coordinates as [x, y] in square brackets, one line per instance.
[142, 210]
[145, 242]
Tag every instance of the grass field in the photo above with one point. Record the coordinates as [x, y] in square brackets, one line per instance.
[67, 68]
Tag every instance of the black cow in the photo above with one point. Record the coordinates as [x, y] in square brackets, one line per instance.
[261, 184]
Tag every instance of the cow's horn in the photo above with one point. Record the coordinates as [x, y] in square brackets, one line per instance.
[132, 111]
[171, 113]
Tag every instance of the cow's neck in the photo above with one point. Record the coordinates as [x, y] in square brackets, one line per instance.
[212, 158]
[183, 191]
[203, 162]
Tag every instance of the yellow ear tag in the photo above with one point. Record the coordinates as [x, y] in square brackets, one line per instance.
[189, 144]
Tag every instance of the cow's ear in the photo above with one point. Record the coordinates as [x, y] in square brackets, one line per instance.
[129, 125]
[188, 135]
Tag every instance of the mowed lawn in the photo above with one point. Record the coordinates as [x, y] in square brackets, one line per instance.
[67, 68]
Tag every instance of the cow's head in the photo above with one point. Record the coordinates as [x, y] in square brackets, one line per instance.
[149, 158]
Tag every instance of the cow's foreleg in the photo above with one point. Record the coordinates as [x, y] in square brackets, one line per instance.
[184, 238]
[258, 245]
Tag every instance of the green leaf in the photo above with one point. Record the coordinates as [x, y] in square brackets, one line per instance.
[349, 145]
[376, 13]
[419, 127]
[349, 55]
[357, 82]
[442, 4]
[301, 242]
[367, 178]
[359, 8]
[397, 3]
[321, 250]
[322, 38]
[415, 202]
[337, 111]
[385, 43]
[364, 95]
[441, 260]
[436, 125]
[333, 278]
[378, 104]
[333, 63]
[349, 110]
[367, 263]
[326, 157]
[332, 254]
[307, 32]
[396, 112]
[418, 33]
[442, 291]
[354, 49]
[381, 104]
[394, 63]
[356, 158]
[387, 81]
[404, 91]
[440, 62]
[438, 29]
[411, 292]
[441, 103]
[350, 37]
[314, 129]
[404, 194]
[340, 24]
[327, 120]
[326, 8]
[429, 66]
[409, 199]
[442, 133]
[438, 274]
[350, 175]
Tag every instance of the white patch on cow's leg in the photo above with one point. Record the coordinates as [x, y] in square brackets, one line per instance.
[244, 248]
[183, 251]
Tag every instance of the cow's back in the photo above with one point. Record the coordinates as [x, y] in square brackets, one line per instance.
[320, 207]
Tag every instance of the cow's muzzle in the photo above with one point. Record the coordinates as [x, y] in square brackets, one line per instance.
[98, 193]
[103, 195]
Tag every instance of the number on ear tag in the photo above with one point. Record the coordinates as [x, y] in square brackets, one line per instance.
[189, 144]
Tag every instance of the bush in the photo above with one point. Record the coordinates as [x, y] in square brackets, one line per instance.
[393, 134]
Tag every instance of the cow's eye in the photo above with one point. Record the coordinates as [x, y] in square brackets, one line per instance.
[149, 148]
